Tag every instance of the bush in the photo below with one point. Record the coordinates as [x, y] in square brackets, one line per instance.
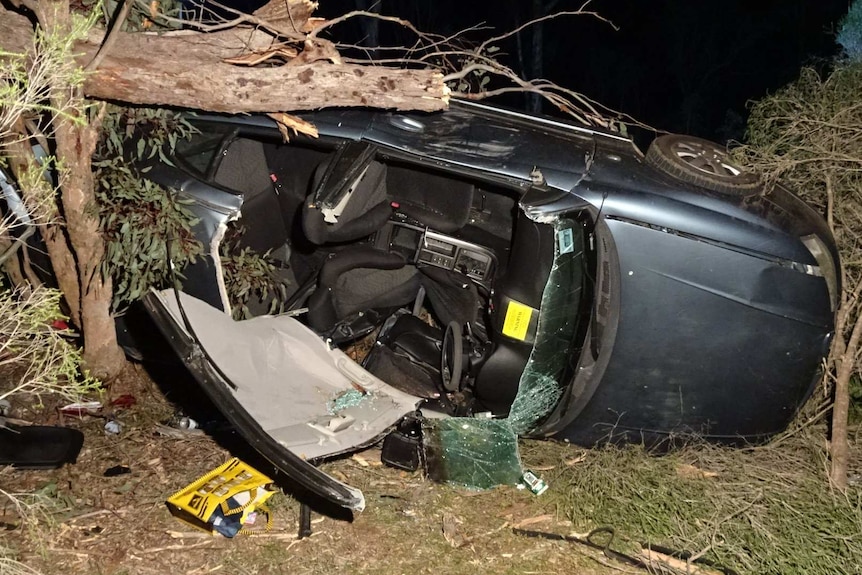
[40, 356]
[809, 135]
[850, 32]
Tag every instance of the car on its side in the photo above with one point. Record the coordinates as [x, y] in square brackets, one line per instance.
[486, 258]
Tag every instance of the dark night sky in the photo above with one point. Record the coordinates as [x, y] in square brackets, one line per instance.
[678, 66]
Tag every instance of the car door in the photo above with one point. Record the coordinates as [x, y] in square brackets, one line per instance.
[289, 394]
[292, 396]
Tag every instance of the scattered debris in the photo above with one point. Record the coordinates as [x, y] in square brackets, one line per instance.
[177, 433]
[97, 409]
[124, 401]
[38, 446]
[402, 448]
[474, 453]
[117, 470]
[533, 482]
[346, 399]
[360, 460]
[182, 421]
[81, 409]
[113, 427]
[228, 500]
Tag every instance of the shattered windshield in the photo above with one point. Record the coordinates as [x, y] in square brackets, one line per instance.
[554, 350]
[480, 453]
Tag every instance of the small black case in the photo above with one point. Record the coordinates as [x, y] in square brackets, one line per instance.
[39, 446]
[402, 448]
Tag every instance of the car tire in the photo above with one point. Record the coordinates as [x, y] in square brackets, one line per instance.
[700, 162]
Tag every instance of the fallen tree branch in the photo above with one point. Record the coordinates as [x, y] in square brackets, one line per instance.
[186, 69]
[111, 37]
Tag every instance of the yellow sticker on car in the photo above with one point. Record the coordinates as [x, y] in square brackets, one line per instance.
[517, 321]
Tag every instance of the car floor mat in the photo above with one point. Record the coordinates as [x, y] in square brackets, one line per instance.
[38, 446]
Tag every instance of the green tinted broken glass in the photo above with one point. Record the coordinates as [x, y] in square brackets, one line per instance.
[473, 453]
[554, 354]
[482, 453]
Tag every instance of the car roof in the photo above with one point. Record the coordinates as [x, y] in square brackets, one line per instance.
[591, 166]
[470, 136]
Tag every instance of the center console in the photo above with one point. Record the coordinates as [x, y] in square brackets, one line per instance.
[422, 246]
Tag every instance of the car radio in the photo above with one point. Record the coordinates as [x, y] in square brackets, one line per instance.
[423, 246]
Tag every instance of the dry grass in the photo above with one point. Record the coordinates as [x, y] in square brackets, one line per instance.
[92, 524]
[758, 510]
[763, 510]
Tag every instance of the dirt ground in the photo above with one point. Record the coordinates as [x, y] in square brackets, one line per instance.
[96, 524]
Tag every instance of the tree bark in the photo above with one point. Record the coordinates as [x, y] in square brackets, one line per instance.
[186, 69]
[75, 143]
[65, 268]
[839, 448]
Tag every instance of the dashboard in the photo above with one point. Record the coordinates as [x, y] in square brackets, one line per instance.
[422, 246]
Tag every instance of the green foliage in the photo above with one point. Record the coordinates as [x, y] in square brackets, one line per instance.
[143, 16]
[145, 226]
[250, 277]
[809, 135]
[36, 358]
[42, 358]
[28, 81]
[850, 32]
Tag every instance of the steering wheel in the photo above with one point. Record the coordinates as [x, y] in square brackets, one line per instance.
[452, 357]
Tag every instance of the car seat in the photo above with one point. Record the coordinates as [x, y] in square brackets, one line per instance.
[243, 168]
[351, 199]
[348, 202]
[355, 282]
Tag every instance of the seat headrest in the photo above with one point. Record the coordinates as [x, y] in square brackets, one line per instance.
[360, 210]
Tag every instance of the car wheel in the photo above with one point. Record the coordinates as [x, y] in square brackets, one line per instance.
[700, 162]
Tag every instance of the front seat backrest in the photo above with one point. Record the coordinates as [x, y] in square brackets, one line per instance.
[360, 210]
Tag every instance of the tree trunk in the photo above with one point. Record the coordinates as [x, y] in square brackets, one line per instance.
[75, 143]
[187, 69]
[839, 448]
[65, 268]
